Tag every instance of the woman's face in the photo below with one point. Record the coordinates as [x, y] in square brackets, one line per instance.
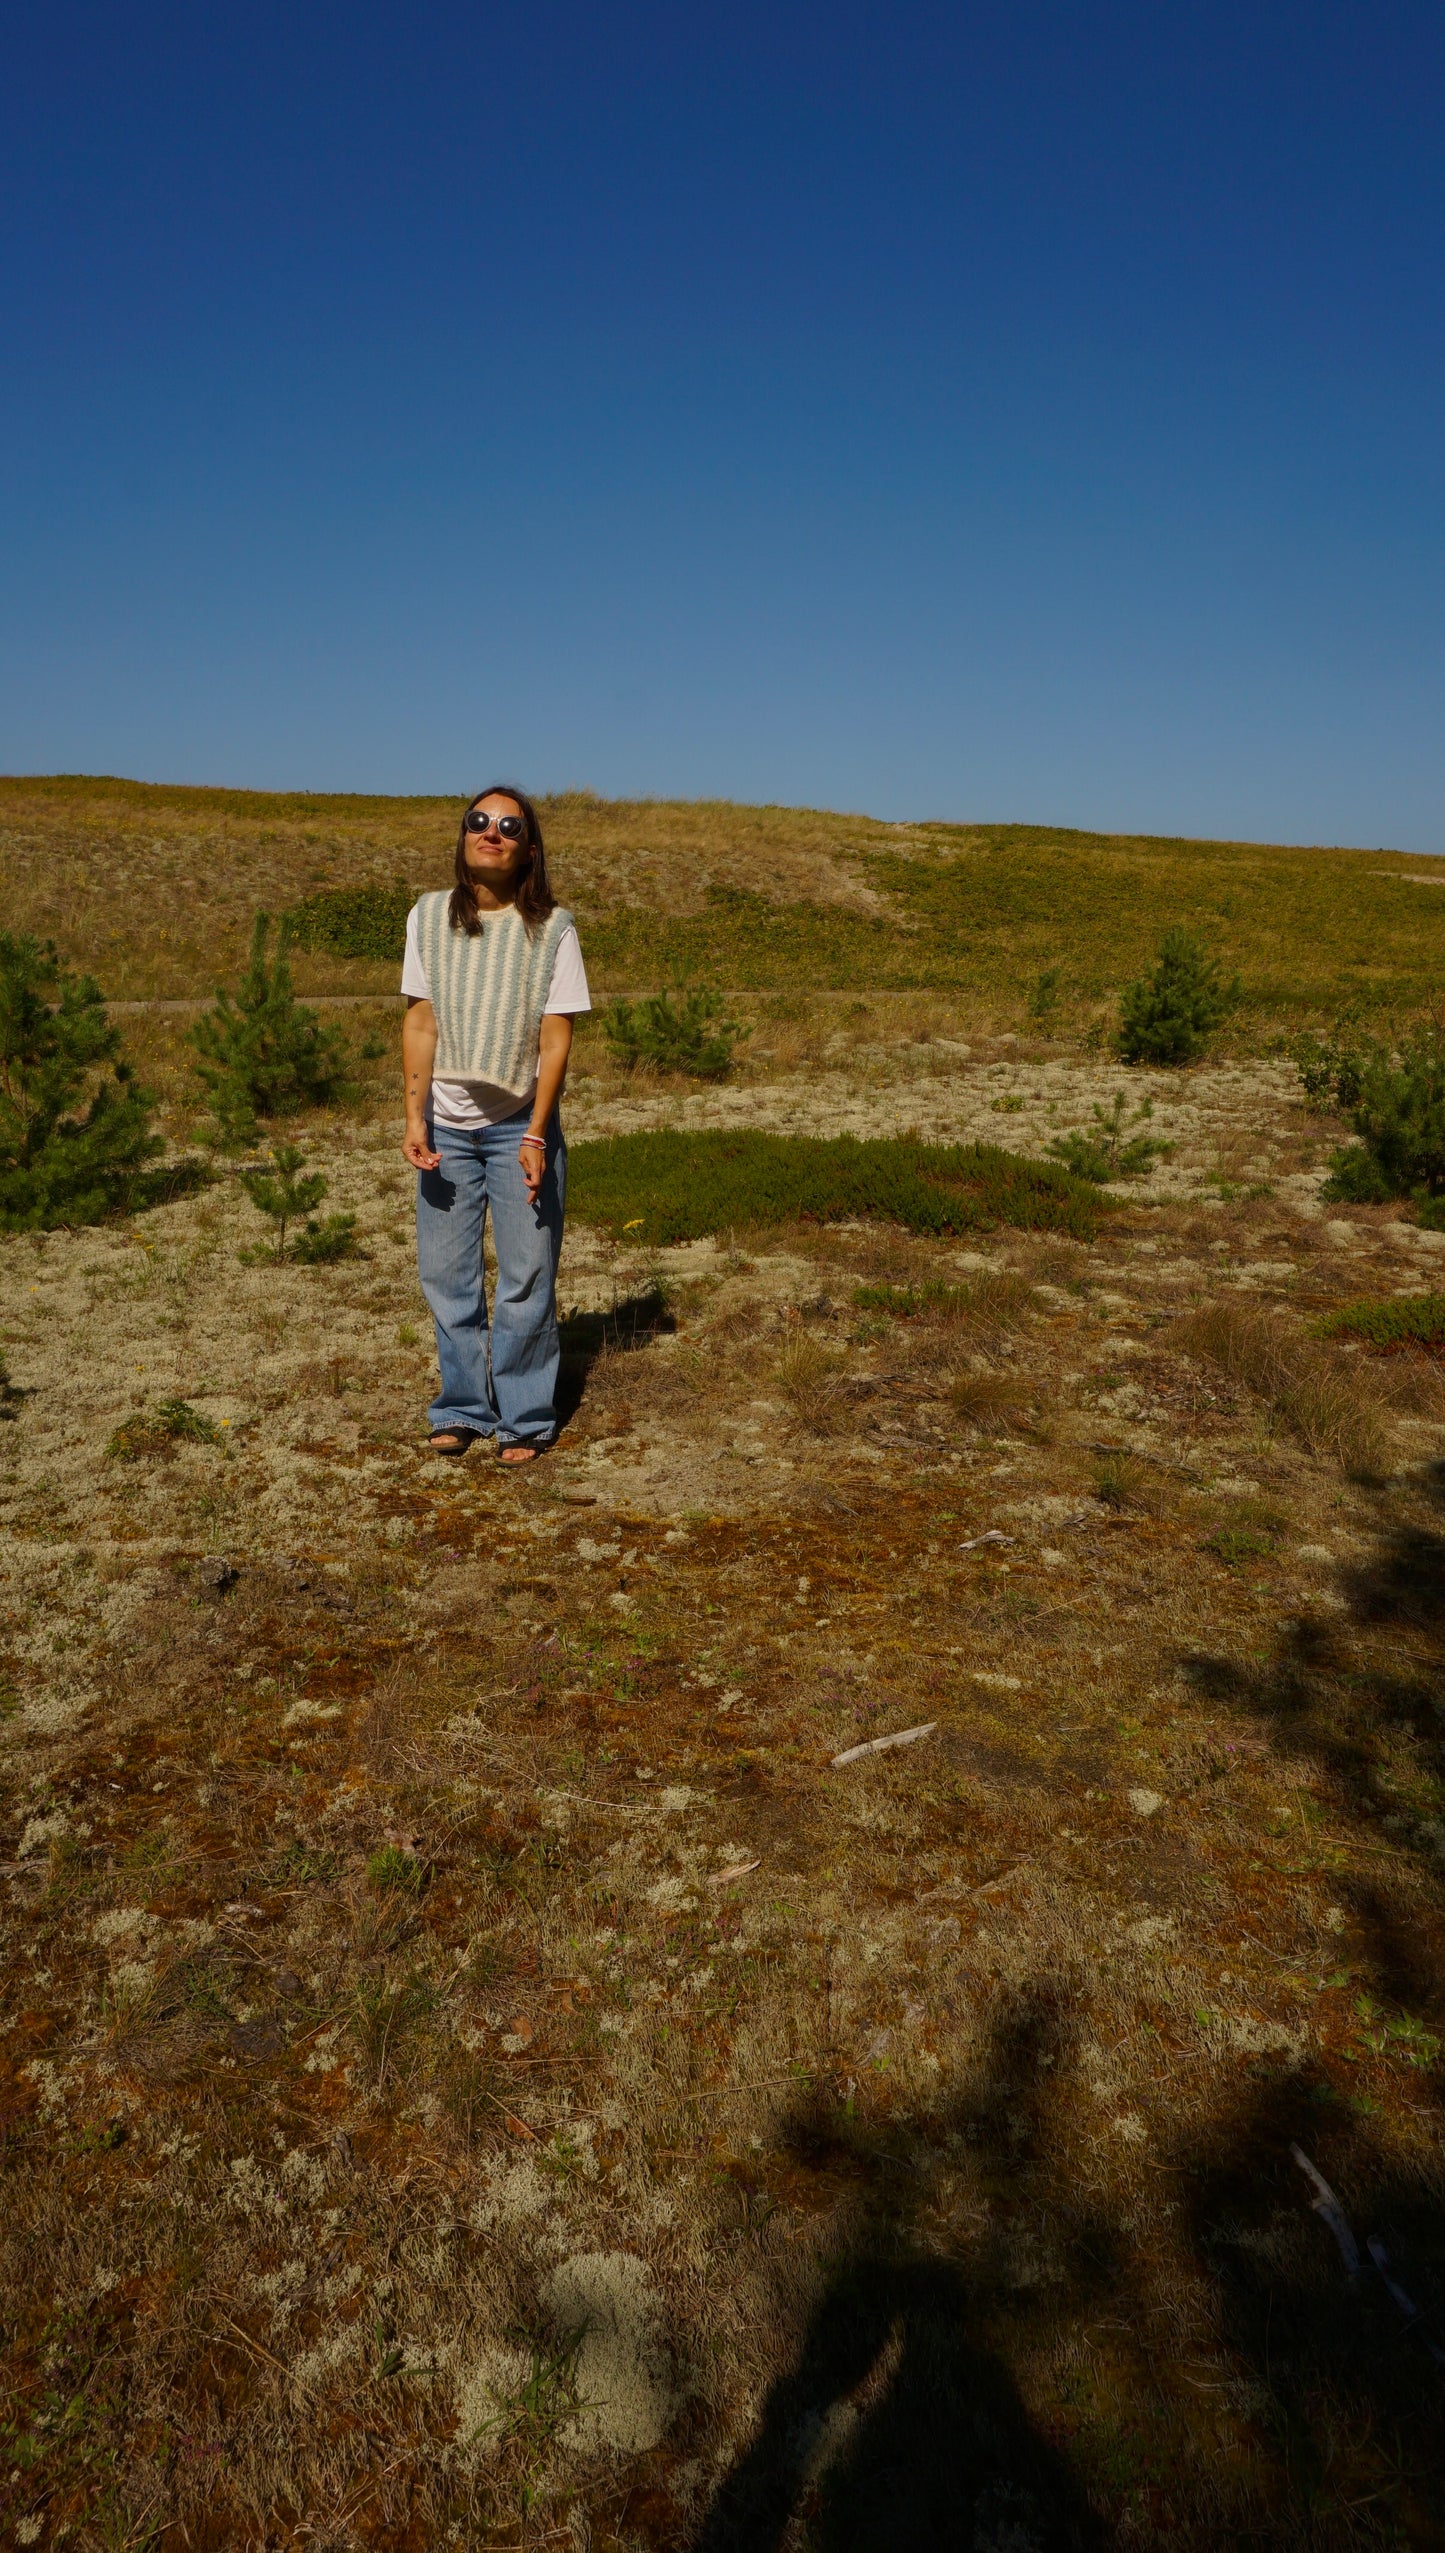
[491, 861]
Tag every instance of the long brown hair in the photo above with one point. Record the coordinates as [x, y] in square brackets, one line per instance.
[533, 899]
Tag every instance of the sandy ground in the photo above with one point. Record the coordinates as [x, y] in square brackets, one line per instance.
[1033, 2007]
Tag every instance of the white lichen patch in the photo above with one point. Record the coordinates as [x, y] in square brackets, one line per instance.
[514, 2196]
[121, 1923]
[487, 2390]
[40, 1831]
[626, 2389]
[672, 1893]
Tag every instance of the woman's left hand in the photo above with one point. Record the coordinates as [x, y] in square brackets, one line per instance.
[532, 1154]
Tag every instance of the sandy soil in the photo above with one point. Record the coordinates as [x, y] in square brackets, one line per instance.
[503, 2192]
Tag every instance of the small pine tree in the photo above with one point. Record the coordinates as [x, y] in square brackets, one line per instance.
[1394, 1098]
[61, 1163]
[265, 1054]
[1044, 999]
[1169, 1016]
[1110, 1152]
[320, 1243]
[282, 1193]
[286, 1196]
[689, 1035]
[1330, 1068]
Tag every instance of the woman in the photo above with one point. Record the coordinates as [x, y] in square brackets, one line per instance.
[493, 979]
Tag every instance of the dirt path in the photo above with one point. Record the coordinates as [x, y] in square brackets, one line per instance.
[202, 1002]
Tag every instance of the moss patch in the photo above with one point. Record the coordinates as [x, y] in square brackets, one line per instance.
[1396, 1320]
[662, 1188]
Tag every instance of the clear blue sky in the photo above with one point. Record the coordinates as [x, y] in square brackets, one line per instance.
[1024, 410]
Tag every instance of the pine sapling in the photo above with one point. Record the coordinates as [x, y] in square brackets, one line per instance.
[63, 1160]
[1044, 999]
[1108, 1153]
[335, 1238]
[160, 1431]
[264, 1054]
[286, 1196]
[690, 1033]
[1169, 1015]
[1394, 1099]
[283, 1193]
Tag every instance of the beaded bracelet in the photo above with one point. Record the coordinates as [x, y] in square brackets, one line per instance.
[534, 1139]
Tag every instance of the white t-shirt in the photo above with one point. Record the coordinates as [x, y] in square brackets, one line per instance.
[479, 1103]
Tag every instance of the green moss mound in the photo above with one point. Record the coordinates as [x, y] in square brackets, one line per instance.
[1391, 1320]
[656, 1189]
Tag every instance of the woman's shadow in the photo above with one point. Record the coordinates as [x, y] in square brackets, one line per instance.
[913, 2438]
[627, 1324]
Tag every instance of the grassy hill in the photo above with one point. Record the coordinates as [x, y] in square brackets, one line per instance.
[153, 888]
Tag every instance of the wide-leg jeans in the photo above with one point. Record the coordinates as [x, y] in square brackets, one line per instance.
[499, 1377]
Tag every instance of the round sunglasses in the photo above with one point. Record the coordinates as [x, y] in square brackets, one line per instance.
[511, 828]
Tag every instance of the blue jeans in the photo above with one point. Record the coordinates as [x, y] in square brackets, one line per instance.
[502, 1379]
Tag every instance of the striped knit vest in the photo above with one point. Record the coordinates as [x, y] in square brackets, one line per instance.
[488, 993]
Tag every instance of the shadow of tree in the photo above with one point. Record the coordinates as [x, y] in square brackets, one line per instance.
[1346, 2387]
[1350, 2380]
[1264, 2391]
[1360, 1695]
[932, 2446]
[901, 2424]
[1362, 1732]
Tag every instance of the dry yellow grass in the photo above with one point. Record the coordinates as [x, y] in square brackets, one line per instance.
[154, 888]
[1331, 1407]
[989, 1403]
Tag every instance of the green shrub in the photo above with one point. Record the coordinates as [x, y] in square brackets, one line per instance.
[1394, 1099]
[265, 1054]
[62, 1162]
[689, 1034]
[159, 1431]
[1356, 1179]
[1330, 1067]
[354, 921]
[1169, 1016]
[661, 1188]
[1106, 1154]
[1391, 1321]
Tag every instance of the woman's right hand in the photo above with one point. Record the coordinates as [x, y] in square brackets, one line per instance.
[417, 1150]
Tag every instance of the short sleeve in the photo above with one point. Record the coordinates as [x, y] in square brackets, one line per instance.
[567, 991]
[414, 983]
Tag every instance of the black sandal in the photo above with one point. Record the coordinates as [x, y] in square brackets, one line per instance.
[464, 1439]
